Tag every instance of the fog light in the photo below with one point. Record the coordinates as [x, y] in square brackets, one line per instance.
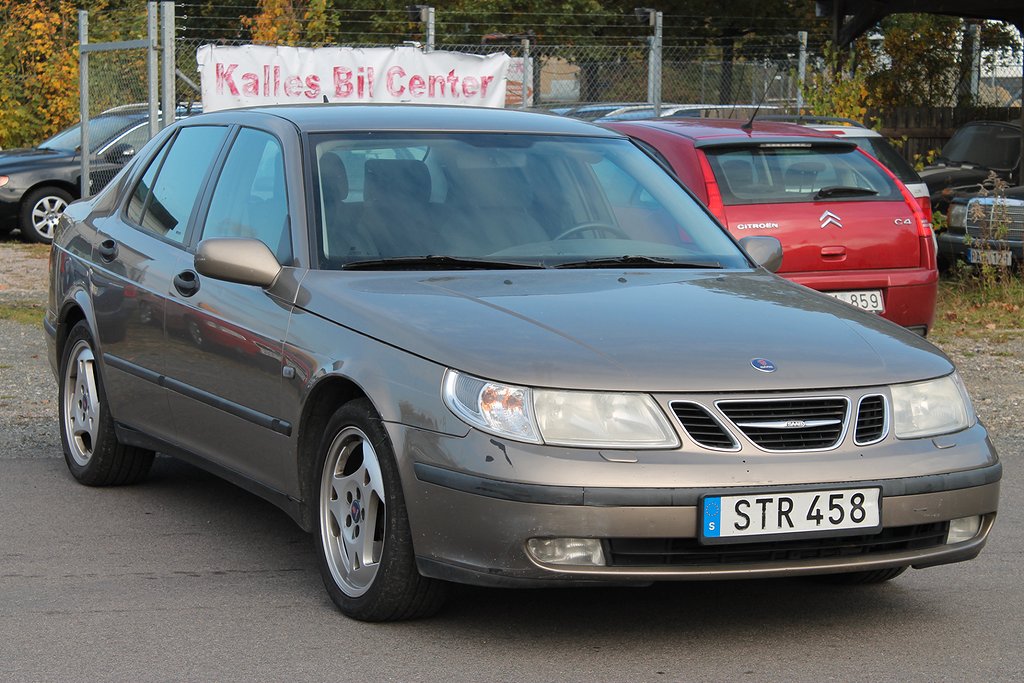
[568, 551]
[963, 529]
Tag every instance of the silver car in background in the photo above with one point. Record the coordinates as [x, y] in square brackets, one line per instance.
[497, 348]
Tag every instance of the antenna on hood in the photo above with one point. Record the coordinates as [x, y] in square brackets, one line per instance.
[749, 125]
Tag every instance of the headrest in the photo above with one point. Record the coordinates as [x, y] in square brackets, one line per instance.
[390, 180]
[333, 178]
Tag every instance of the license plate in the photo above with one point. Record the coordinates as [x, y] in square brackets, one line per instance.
[759, 516]
[990, 256]
[866, 299]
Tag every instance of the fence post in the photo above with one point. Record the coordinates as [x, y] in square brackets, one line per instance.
[654, 63]
[83, 98]
[801, 71]
[168, 100]
[430, 29]
[527, 98]
[152, 67]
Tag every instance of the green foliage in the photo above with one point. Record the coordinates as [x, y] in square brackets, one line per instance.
[838, 88]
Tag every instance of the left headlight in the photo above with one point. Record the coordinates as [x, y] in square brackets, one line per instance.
[560, 418]
[938, 406]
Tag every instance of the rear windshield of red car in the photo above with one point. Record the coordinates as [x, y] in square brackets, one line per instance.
[883, 151]
[795, 172]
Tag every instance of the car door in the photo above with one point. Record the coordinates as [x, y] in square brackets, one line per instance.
[135, 253]
[225, 340]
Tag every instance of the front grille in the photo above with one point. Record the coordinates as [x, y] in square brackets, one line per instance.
[684, 552]
[703, 428]
[870, 420]
[800, 424]
[984, 219]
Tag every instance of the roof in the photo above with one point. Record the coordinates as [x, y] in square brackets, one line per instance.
[414, 117]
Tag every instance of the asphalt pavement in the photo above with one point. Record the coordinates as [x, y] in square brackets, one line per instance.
[186, 577]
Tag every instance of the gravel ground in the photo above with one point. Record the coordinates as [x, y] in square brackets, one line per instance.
[993, 371]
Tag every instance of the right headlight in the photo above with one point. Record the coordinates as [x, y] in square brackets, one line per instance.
[585, 419]
[938, 406]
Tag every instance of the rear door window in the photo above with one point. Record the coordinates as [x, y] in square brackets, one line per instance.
[786, 172]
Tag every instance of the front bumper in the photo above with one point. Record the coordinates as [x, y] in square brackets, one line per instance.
[472, 528]
[953, 246]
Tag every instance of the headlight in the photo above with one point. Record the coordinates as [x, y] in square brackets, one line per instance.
[4, 180]
[957, 215]
[561, 418]
[939, 406]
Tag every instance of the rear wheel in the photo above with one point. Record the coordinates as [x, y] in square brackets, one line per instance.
[40, 211]
[91, 449]
[364, 544]
[863, 578]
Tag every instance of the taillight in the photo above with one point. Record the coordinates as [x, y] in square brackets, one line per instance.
[715, 203]
[926, 207]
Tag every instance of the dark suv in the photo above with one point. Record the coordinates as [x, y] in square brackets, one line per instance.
[975, 150]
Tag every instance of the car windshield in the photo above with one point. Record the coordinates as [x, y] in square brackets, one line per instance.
[101, 130]
[500, 200]
[996, 147]
[797, 172]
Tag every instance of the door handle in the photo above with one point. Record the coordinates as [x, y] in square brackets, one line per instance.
[107, 250]
[186, 282]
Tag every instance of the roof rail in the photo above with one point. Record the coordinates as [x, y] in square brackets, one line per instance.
[820, 120]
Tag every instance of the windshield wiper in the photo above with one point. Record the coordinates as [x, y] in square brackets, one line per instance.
[646, 261]
[844, 191]
[435, 262]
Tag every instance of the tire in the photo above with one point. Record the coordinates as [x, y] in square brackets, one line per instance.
[364, 545]
[40, 211]
[91, 449]
[863, 578]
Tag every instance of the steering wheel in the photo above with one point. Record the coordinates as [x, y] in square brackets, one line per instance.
[609, 230]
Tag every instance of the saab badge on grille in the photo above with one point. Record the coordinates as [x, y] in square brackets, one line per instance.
[763, 364]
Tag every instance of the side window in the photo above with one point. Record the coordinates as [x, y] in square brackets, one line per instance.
[250, 198]
[166, 194]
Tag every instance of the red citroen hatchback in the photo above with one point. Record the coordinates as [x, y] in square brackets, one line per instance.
[848, 227]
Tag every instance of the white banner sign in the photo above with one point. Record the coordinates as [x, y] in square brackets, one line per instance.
[257, 74]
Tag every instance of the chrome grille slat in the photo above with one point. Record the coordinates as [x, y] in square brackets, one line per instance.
[790, 424]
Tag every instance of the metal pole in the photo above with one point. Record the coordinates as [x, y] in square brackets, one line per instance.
[430, 29]
[152, 69]
[169, 101]
[975, 62]
[801, 71]
[656, 58]
[83, 98]
[527, 99]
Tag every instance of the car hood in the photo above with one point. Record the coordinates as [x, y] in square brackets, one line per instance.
[939, 178]
[14, 159]
[660, 331]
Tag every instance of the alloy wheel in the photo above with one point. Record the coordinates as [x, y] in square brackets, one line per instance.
[81, 409]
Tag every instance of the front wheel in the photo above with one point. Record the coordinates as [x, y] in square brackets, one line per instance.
[40, 212]
[364, 545]
[91, 449]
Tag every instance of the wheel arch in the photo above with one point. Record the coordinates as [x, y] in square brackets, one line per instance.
[69, 187]
[71, 313]
[329, 394]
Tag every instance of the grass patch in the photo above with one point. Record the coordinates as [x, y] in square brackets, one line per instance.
[973, 307]
[26, 314]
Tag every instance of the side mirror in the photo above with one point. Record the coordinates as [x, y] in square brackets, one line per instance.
[243, 260]
[119, 153]
[765, 251]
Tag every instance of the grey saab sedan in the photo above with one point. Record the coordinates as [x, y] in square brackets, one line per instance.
[496, 348]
